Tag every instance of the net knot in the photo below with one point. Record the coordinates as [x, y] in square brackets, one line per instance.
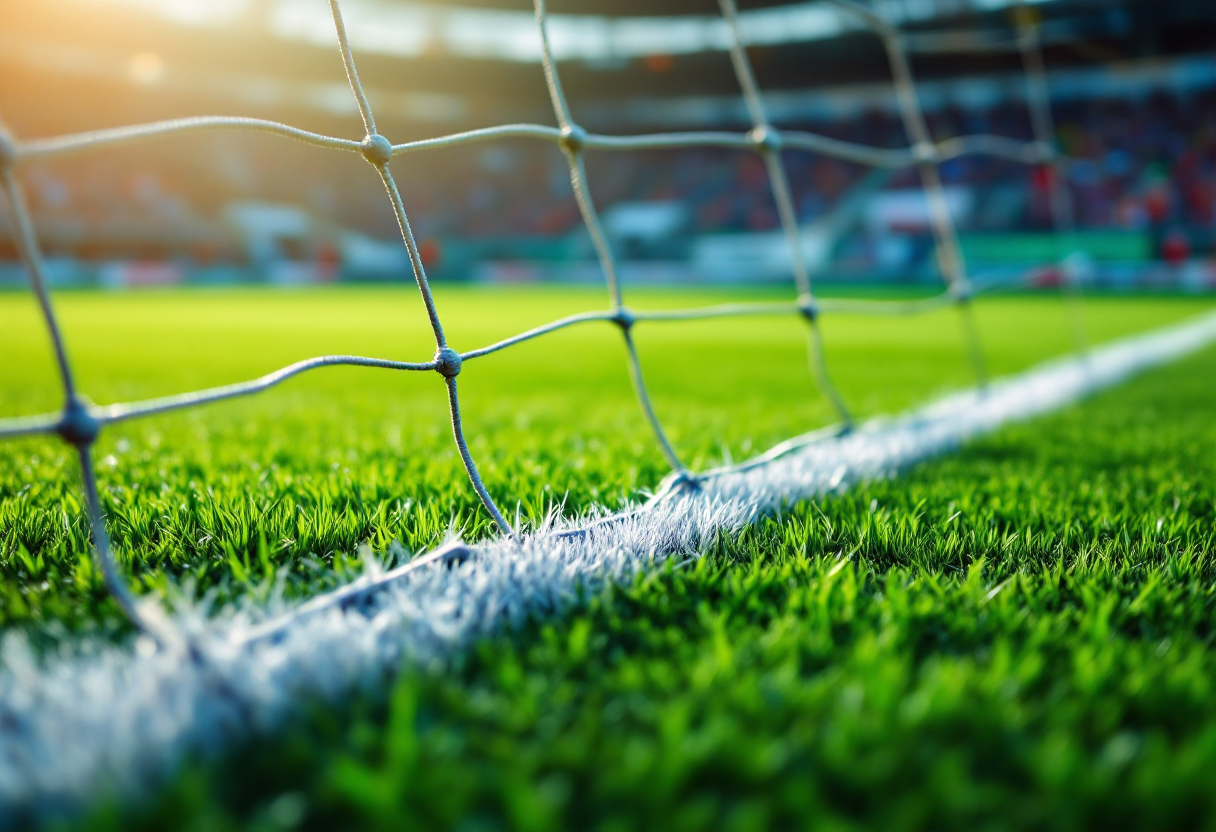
[1043, 151]
[765, 138]
[624, 319]
[962, 291]
[376, 149]
[573, 139]
[77, 425]
[685, 480]
[8, 149]
[808, 309]
[923, 152]
[448, 362]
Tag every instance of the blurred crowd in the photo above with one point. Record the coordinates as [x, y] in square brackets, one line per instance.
[1140, 164]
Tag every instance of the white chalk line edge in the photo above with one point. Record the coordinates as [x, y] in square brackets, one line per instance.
[100, 718]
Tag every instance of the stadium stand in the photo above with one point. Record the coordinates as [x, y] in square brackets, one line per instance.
[166, 214]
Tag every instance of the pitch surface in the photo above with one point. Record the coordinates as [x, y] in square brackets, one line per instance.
[1044, 636]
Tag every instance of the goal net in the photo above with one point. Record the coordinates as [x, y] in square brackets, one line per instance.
[80, 422]
[188, 679]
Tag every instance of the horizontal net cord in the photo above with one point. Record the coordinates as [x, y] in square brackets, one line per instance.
[31, 150]
[251, 666]
[46, 423]
[16, 427]
[1027, 152]
[79, 426]
[122, 412]
[544, 329]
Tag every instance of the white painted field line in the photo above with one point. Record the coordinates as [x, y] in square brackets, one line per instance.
[117, 718]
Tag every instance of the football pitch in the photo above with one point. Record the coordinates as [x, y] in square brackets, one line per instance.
[1016, 636]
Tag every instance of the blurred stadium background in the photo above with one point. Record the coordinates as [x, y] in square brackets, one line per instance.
[1133, 87]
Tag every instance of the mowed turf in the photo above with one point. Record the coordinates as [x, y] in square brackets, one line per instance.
[1013, 637]
[298, 478]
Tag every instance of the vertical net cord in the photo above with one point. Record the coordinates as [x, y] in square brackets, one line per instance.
[352, 74]
[77, 426]
[381, 165]
[144, 613]
[572, 145]
[1038, 101]
[470, 466]
[768, 143]
[31, 255]
[378, 151]
[949, 252]
[462, 445]
[411, 248]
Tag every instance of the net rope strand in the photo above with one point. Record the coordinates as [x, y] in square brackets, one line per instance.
[379, 152]
[80, 422]
[573, 144]
[767, 141]
[1063, 219]
[1028, 42]
[949, 251]
[878, 157]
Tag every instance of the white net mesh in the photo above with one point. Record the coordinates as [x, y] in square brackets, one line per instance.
[79, 422]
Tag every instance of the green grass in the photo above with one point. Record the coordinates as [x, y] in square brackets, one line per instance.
[1014, 637]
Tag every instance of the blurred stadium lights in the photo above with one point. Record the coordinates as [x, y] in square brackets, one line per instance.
[150, 69]
[411, 29]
